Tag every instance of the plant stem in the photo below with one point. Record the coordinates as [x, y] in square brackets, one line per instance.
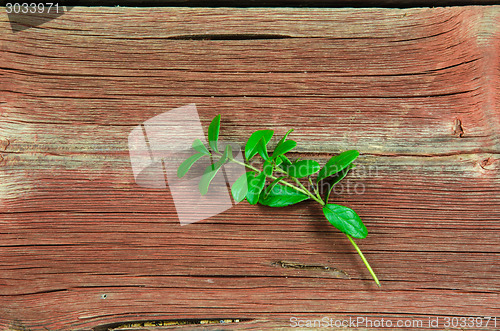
[314, 188]
[244, 164]
[364, 260]
[318, 200]
[304, 189]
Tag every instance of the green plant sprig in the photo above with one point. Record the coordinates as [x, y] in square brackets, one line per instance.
[278, 184]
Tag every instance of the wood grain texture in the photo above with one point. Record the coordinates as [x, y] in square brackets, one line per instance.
[416, 91]
[279, 3]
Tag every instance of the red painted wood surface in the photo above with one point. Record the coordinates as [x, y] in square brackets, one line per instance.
[416, 91]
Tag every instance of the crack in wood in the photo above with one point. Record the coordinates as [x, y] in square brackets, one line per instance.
[458, 130]
[35, 293]
[296, 265]
[229, 36]
[169, 323]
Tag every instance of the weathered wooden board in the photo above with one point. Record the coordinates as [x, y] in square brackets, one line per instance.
[416, 91]
[279, 3]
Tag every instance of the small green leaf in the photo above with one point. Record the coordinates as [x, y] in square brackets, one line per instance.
[284, 147]
[346, 220]
[271, 186]
[212, 170]
[302, 168]
[285, 136]
[337, 163]
[200, 147]
[187, 164]
[255, 186]
[267, 168]
[285, 162]
[278, 161]
[250, 148]
[207, 177]
[262, 149]
[339, 176]
[228, 151]
[281, 196]
[240, 187]
[213, 133]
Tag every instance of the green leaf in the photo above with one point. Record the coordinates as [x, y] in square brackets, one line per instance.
[213, 133]
[212, 170]
[187, 164]
[271, 186]
[250, 148]
[284, 147]
[240, 187]
[346, 220]
[207, 177]
[281, 196]
[267, 168]
[302, 168]
[255, 186]
[276, 153]
[278, 161]
[228, 151]
[340, 175]
[200, 147]
[337, 163]
[262, 149]
[285, 162]
[285, 136]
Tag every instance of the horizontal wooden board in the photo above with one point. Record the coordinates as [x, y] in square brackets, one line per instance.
[406, 126]
[416, 91]
[278, 3]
